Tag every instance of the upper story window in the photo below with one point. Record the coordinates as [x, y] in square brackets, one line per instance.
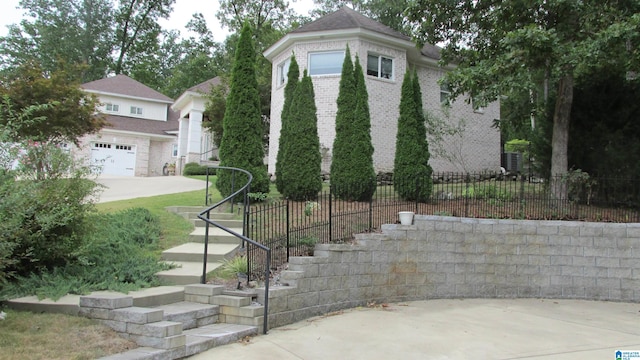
[283, 70]
[112, 107]
[136, 110]
[380, 66]
[445, 94]
[326, 63]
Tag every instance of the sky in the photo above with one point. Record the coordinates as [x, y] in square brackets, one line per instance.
[182, 11]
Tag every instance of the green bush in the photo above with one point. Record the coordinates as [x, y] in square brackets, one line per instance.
[197, 169]
[43, 211]
[119, 255]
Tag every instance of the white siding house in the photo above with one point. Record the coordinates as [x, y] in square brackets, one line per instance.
[141, 136]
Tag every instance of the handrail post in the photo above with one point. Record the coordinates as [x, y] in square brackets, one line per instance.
[203, 280]
[266, 293]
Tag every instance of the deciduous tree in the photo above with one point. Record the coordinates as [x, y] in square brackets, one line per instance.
[523, 46]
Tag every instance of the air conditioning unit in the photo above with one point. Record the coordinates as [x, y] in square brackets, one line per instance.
[512, 162]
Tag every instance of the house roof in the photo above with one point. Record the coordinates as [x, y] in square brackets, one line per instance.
[347, 18]
[205, 87]
[153, 127]
[196, 92]
[123, 85]
[347, 22]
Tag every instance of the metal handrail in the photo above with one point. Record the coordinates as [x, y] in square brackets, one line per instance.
[205, 216]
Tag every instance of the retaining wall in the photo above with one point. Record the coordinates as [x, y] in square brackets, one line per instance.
[446, 257]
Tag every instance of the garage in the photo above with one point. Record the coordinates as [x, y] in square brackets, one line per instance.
[115, 159]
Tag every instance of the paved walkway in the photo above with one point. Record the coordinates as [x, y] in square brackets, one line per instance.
[128, 187]
[453, 329]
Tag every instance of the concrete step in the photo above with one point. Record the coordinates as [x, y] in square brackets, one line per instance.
[207, 337]
[157, 296]
[216, 235]
[190, 314]
[193, 252]
[187, 273]
[191, 212]
[230, 223]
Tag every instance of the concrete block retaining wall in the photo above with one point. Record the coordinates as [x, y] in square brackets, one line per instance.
[446, 257]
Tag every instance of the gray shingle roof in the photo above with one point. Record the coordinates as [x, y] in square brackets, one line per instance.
[346, 18]
[205, 87]
[124, 85]
[155, 127]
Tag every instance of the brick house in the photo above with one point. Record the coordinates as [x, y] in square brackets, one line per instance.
[142, 133]
[386, 55]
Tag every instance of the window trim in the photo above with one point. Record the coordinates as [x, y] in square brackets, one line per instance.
[311, 54]
[282, 72]
[379, 73]
[445, 94]
[115, 108]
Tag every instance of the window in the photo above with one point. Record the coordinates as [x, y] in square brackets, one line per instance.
[283, 70]
[326, 63]
[445, 94]
[136, 110]
[174, 152]
[112, 107]
[380, 66]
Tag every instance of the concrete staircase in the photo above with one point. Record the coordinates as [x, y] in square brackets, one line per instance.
[189, 256]
[173, 322]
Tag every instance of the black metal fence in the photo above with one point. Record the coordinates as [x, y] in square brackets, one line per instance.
[292, 228]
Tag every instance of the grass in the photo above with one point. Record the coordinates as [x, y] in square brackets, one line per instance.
[27, 335]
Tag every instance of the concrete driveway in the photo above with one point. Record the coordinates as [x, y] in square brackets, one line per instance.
[128, 187]
[452, 329]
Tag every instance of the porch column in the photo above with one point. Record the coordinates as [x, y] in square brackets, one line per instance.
[194, 136]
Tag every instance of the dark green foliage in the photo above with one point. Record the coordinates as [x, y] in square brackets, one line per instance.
[43, 210]
[241, 145]
[283, 158]
[117, 255]
[605, 131]
[197, 169]
[412, 173]
[352, 174]
[302, 173]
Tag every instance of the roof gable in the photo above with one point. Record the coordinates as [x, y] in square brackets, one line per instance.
[126, 86]
[347, 18]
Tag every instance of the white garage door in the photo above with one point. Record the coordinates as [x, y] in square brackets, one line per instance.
[115, 159]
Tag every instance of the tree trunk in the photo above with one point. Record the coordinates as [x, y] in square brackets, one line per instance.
[560, 139]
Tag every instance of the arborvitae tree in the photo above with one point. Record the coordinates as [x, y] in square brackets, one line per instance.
[425, 187]
[283, 159]
[352, 174]
[412, 173]
[302, 172]
[241, 144]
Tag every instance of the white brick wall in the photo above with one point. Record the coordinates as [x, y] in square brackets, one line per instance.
[478, 148]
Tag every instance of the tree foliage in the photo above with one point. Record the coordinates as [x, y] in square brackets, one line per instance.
[241, 144]
[301, 171]
[352, 174]
[73, 111]
[106, 36]
[411, 169]
[287, 137]
[529, 47]
[45, 195]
